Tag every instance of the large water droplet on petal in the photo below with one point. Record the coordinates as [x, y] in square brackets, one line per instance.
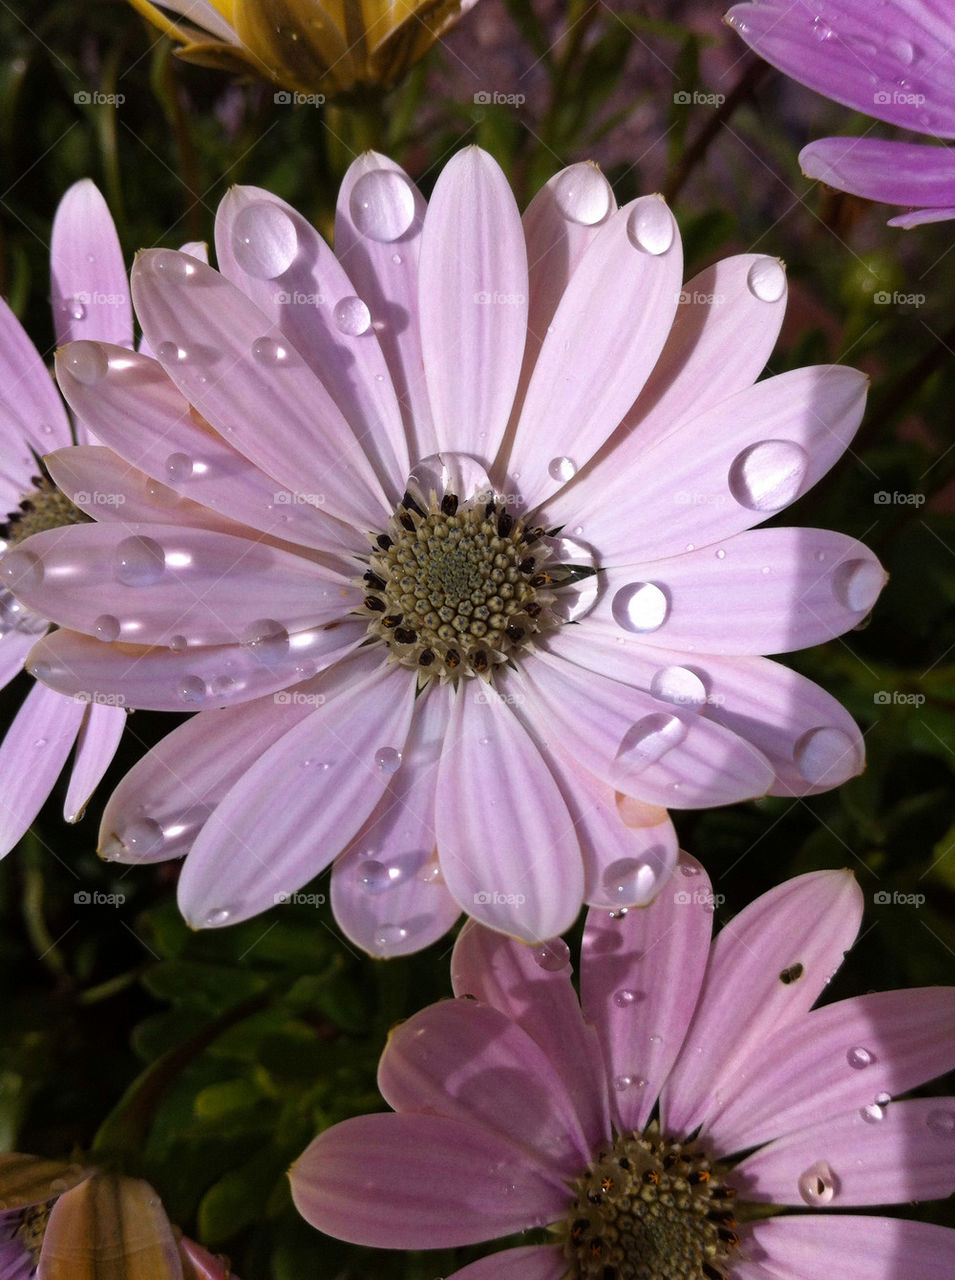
[857, 583]
[650, 226]
[87, 362]
[138, 562]
[872, 1114]
[390, 935]
[264, 240]
[176, 266]
[382, 205]
[269, 352]
[106, 627]
[216, 917]
[826, 757]
[902, 49]
[553, 955]
[267, 640]
[192, 689]
[678, 685]
[767, 279]
[352, 317]
[142, 837]
[388, 760]
[376, 877]
[817, 1185]
[640, 607]
[172, 353]
[629, 881]
[625, 998]
[583, 194]
[769, 475]
[562, 469]
[859, 1057]
[21, 570]
[179, 467]
[649, 740]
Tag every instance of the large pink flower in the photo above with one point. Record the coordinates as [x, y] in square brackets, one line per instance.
[431, 442]
[894, 61]
[90, 299]
[652, 1124]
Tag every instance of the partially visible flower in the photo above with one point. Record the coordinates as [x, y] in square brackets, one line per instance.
[62, 1221]
[306, 45]
[894, 61]
[667, 1124]
[90, 299]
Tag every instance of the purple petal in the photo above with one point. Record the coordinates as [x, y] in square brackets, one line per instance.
[541, 1000]
[473, 303]
[31, 412]
[87, 273]
[467, 1061]
[96, 745]
[385, 275]
[600, 346]
[817, 1247]
[531, 1262]
[640, 977]
[239, 371]
[842, 1056]
[846, 1160]
[316, 306]
[893, 172]
[804, 926]
[32, 755]
[919, 217]
[302, 801]
[14, 647]
[421, 1182]
[514, 863]
[387, 892]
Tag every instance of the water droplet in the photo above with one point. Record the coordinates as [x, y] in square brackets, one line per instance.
[222, 685]
[179, 266]
[857, 583]
[721, 554]
[562, 469]
[941, 1123]
[396, 259]
[376, 877]
[22, 570]
[640, 607]
[902, 49]
[138, 562]
[352, 317]
[269, 351]
[649, 740]
[859, 1058]
[766, 279]
[625, 998]
[820, 30]
[768, 476]
[382, 205]
[40, 742]
[142, 837]
[826, 757]
[177, 643]
[629, 881]
[160, 494]
[179, 467]
[87, 362]
[650, 226]
[883, 1098]
[687, 869]
[264, 240]
[390, 935]
[678, 685]
[106, 627]
[583, 194]
[622, 1082]
[192, 689]
[872, 1113]
[267, 640]
[76, 309]
[388, 760]
[171, 353]
[817, 1185]
[552, 956]
[217, 916]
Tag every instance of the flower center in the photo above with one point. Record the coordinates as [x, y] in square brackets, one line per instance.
[649, 1209]
[44, 507]
[457, 588]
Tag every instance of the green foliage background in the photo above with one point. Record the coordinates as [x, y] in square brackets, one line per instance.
[206, 1062]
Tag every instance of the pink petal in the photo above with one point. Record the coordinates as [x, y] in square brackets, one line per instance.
[819, 1246]
[387, 892]
[722, 335]
[893, 172]
[842, 1056]
[205, 1265]
[600, 347]
[764, 591]
[302, 801]
[385, 275]
[148, 583]
[139, 412]
[96, 745]
[541, 1000]
[239, 371]
[514, 863]
[467, 1061]
[473, 303]
[14, 647]
[908, 1155]
[32, 755]
[531, 1262]
[421, 1182]
[31, 412]
[920, 217]
[87, 273]
[810, 921]
[168, 680]
[316, 306]
[640, 978]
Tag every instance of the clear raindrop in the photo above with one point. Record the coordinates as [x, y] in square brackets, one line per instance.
[382, 205]
[352, 317]
[650, 226]
[768, 476]
[264, 240]
[106, 627]
[766, 279]
[817, 1185]
[640, 607]
[138, 562]
[583, 194]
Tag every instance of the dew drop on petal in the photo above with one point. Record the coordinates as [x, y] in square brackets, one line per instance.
[142, 837]
[629, 881]
[179, 467]
[649, 740]
[269, 351]
[375, 877]
[825, 757]
[220, 686]
[650, 226]
[264, 240]
[390, 935]
[552, 956]
[583, 195]
[22, 570]
[267, 640]
[40, 742]
[192, 689]
[858, 1057]
[562, 469]
[388, 760]
[768, 476]
[177, 643]
[138, 562]
[640, 607]
[178, 266]
[678, 685]
[106, 627]
[382, 205]
[352, 317]
[817, 1185]
[216, 917]
[171, 353]
[625, 998]
[622, 1083]
[857, 583]
[767, 279]
[87, 362]
[75, 308]
[941, 1123]
[687, 869]
[902, 49]
[872, 1113]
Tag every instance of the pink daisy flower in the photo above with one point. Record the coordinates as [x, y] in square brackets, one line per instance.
[652, 1125]
[90, 299]
[894, 61]
[432, 441]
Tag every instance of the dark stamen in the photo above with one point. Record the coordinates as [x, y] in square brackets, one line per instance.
[449, 504]
[404, 635]
[392, 620]
[505, 523]
[373, 603]
[514, 632]
[383, 541]
[426, 658]
[409, 502]
[374, 581]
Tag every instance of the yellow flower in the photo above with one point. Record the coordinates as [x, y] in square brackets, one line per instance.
[309, 46]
